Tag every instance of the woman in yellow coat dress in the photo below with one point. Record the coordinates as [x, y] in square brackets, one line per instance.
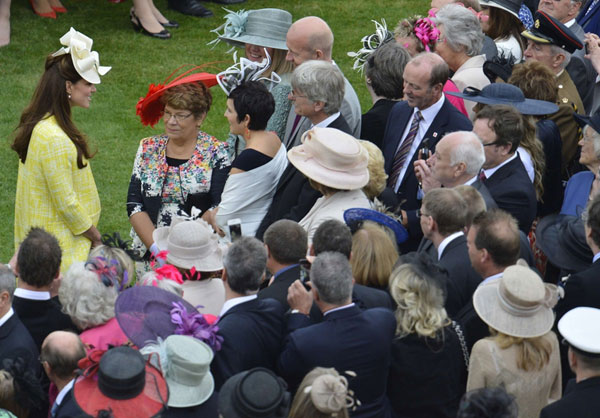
[55, 186]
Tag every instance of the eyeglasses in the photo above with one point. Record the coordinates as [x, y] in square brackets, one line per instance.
[178, 116]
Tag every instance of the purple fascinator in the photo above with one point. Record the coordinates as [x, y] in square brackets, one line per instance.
[195, 325]
[146, 313]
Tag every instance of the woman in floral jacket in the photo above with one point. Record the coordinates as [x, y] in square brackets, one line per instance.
[179, 170]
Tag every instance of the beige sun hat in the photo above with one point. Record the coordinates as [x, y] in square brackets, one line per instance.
[190, 244]
[518, 304]
[332, 158]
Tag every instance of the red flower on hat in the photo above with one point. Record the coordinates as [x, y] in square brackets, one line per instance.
[90, 364]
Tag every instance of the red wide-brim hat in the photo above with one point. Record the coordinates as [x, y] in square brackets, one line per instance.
[150, 108]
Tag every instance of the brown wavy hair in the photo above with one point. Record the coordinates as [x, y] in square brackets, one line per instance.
[50, 97]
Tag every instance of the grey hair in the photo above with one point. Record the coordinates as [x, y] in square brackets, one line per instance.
[557, 50]
[320, 81]
[461, 28]
[331, 275]
[8, 281]
[469, 151]
[150, 278]
[85, 298]
[245, 264]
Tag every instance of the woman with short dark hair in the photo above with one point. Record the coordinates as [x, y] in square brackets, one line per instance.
[255, 172]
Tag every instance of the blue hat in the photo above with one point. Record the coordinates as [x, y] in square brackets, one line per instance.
[361, 214]
[593, 121]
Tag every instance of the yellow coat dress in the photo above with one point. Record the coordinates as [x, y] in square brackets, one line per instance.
[54, 194]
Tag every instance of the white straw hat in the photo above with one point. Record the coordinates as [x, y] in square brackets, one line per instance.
[518, 304]
[190, 244]
[332, 158]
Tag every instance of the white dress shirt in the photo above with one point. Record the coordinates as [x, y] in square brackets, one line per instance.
[447, 241]
[32, 294]
[234, 302]
[326, 122]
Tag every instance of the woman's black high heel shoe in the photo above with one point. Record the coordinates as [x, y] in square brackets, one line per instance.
[137, 26]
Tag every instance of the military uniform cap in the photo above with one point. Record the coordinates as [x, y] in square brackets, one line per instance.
[548, 30]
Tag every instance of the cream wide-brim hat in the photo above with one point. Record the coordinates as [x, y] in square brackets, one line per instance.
[518, 304]
[332, 158]
[190, 244]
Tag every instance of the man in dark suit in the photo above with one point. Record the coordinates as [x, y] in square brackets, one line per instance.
[317, 94]
[589, 17]
[347, 339]
[35, 300]
[443, 221]
[333, 235]
[493, 245]
[500, 129]
[286, 244]
[419, 122]
[15, 340]
[580, 328]
[61, 351]
[252, 328]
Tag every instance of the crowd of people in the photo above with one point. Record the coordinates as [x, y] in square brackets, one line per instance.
[422, 259]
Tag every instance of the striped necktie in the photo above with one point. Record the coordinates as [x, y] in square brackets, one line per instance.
[402, 153]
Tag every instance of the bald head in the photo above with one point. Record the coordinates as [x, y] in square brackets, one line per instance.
[61, 351]
[309, 38]
[458, 158]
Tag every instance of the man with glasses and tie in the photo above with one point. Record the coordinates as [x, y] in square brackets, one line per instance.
[415, 124]
[500, 129]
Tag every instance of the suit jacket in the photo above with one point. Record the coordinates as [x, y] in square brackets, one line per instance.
[462, 279]
[41, 317]
[490, 203]
[581, 289]
[513, 192]
[590, 22]
[582, 400]
[345, 340]
[448, 119]
[257, 326]
[69, 408]
[294, 196]
[16, 341]
[350, 109]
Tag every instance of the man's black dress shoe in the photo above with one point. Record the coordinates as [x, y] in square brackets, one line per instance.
[189, 7]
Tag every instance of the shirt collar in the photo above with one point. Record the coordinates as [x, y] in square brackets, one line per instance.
[596, 257]
[490, 171]
[64, 391]
[431, 112]
[447, 241]
[32, 294]
[570, 23]
[491, 278]
[283, 270]
[339, 308]
[234, 302]
[471, 181]
[326, 122]
[6, 316]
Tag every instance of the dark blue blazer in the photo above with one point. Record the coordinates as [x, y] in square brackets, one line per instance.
[69, 408]
[252, 336]
[348, 339]
[448, 119]
[581, 400]
[16, 341]
[591, 22]
[513, 192]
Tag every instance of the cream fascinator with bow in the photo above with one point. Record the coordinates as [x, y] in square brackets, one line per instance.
[85, 61]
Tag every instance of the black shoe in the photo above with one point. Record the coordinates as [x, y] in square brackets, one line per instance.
[227, 1]
[189, 7]
[170, 24]
[137, 26]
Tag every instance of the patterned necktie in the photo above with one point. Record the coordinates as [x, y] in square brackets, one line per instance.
[402, 153]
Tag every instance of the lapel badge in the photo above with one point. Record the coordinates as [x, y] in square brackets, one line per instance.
[537, 23]
[435, 134]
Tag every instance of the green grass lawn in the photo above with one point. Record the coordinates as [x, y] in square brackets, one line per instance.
[137, 60]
